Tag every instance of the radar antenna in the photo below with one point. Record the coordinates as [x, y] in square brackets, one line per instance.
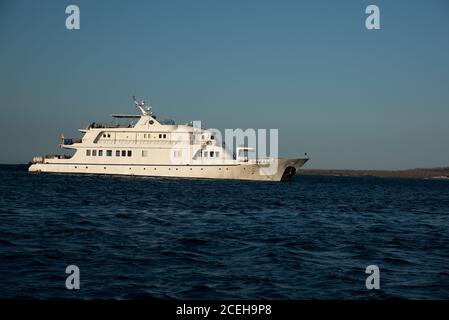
[145, 109]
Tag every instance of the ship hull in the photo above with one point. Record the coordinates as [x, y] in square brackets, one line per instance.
[284, 170]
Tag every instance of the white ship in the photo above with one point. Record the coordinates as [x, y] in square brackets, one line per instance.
[148, 147]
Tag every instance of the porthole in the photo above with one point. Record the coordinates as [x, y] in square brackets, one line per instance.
[151, 121]
[104, 167]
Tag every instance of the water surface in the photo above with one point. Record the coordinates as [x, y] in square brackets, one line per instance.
[133, 237]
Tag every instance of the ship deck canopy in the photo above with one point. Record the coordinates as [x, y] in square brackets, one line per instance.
[126, 116]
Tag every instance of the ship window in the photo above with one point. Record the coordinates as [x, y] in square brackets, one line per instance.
[109, 153]
[130, 153]
[100, 153]
[212, 137]
[160, 136]
[117, 153]
[144, 135]
[94, 153]
[177, 153]
[88, 153]
[144, 153]
[104, 136]
[109, 135]
[165, 136]
[211, 154]
[205, 154]
[217, 154]
[151, 121]
[123, 153]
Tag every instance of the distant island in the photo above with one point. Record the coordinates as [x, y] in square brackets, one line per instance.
[418, 173]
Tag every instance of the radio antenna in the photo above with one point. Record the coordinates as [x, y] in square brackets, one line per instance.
[145, 109]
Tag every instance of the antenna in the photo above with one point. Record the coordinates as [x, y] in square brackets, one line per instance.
[146, 110]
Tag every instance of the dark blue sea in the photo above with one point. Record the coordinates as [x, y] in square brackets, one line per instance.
[138, 238]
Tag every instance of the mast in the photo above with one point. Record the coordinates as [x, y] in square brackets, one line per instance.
[146, 110]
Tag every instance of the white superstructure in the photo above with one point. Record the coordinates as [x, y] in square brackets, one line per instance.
[150, 147]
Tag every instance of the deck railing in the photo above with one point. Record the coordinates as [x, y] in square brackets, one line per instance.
[98, 125]
[68, 142]
[112, 141]
[41, 159]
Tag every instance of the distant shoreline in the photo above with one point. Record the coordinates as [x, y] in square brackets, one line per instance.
[418, 173]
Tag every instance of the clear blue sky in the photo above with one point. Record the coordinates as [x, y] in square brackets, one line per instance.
[350, 97]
